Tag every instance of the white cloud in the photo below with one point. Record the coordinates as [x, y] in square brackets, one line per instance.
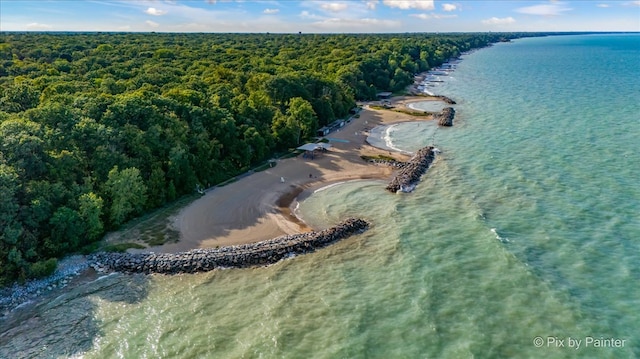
[499, 21]
[307, 15]
[151, 23]
[633, 3]
[410, 4]
[603, 5]
[271, 11]
[333, 6]
[38, 26]
[330, 9]
[371, 4]
[449, 7]
[433, 16]
[155, 12]
[545, 10]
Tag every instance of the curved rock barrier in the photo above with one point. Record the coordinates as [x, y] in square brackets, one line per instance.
[446, 99]
[445, 118]
[409, 175]
[241, 256]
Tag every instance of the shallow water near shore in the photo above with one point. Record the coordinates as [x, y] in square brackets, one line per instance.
[401, 137]
[525, 226]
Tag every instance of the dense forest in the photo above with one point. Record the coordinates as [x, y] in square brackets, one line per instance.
[97, 128]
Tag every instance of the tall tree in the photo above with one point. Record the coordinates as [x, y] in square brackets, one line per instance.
[66, 230]
[90, 212]
[11, 262]
[301, 113]
[127, 192]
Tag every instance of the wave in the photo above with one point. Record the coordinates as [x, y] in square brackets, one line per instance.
[388, 141]
[387, 137]
[328, 186]
[498, 237]
[102, 277]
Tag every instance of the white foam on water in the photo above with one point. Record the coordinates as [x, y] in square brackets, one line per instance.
[103, 277]
[388, 141]
[498, 237]
[326, 188]
[407, 189]
[387, 136]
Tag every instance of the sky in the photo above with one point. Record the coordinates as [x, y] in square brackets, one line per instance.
[319, 16]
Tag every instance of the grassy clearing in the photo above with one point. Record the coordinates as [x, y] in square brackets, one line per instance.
[378, 157]
[121, 247]
[152, 229]
[404, 110]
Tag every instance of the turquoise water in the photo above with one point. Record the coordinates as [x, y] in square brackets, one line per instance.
[430, 106]
[526, 226]
[402, 137]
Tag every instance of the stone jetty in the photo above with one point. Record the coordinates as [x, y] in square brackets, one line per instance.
[240, 256]
[446, 99]
[410, 174]
[445, 118]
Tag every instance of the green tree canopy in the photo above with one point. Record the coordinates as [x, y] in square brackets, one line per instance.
[95, 128]
[127, 192]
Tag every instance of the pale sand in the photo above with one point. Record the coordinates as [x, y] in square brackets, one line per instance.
[256, 207]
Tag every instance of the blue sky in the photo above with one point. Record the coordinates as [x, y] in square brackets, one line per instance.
[319, 16]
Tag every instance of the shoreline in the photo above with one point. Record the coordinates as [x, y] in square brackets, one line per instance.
[259, 206]
[247, 255]
[270, 214]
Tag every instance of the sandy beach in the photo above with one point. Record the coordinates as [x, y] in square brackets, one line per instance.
[257, 207]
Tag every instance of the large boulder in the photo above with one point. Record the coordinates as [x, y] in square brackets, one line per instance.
[445, 118]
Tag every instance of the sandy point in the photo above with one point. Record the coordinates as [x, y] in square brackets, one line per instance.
[257, 207]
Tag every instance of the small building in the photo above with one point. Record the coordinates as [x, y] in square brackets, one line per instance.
[320, 146]
[312, 150]
[323, 131]
[336, 124]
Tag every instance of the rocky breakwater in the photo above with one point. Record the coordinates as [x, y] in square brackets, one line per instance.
[241, 256]
[445, 118]
[446, 99]
[409, 175]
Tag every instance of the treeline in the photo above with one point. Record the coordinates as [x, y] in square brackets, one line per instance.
[98, 128]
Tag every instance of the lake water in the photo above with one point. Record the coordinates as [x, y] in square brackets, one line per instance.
[525, 229]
